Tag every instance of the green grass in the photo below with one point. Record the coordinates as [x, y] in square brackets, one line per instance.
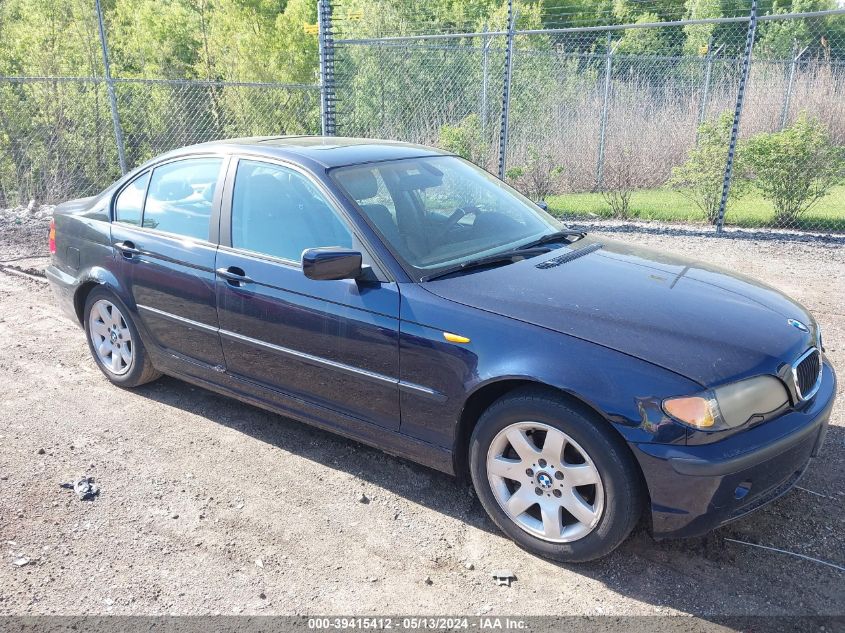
[665, 205]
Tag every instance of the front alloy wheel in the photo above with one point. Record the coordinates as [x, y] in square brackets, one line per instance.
[545, 482]
[554, 476]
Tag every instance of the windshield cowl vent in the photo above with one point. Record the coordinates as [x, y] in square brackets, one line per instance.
[568, 256]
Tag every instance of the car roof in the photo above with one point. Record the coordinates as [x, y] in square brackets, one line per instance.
[325, 151]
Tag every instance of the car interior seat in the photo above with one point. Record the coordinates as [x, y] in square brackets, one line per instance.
[362, 185]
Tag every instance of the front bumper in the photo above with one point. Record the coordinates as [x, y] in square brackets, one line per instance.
[694, 489]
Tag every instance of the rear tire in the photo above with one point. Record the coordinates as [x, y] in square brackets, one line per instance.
[554, 477]
[114, 341]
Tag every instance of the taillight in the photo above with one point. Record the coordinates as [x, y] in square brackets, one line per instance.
[53, 236]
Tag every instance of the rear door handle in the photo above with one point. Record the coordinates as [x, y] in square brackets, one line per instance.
[127, 248]
[234, 276]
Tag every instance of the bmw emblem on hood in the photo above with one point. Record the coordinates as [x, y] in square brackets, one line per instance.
[798, 325]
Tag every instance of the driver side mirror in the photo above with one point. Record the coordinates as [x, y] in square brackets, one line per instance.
[542, 204]
[331, 263]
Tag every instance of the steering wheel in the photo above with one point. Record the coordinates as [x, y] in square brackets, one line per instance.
[453, 220]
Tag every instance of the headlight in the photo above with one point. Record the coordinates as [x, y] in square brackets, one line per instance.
[728, 406]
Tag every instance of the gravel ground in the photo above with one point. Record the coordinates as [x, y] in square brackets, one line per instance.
[210, 506]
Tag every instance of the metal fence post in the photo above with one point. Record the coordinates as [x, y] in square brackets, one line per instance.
[705, 92]
[608, 69]
[327, 84]
[506, 91]
[740, 100]
[485, 65]
[115, 116]
[787, 97]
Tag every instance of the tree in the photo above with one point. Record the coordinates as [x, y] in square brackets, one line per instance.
[777, 37]
[53, 134]
[699, 36]
[794, 168]
[152, 38]
[645, 40]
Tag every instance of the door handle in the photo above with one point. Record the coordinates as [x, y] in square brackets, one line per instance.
[234, 276]
[127, 249]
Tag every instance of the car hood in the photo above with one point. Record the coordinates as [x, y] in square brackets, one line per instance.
[707, 324]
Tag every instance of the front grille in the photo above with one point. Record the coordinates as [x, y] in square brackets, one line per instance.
[807, 372]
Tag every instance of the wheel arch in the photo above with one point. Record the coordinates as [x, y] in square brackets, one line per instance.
[485, 395]
[96, 277]
[81, 296]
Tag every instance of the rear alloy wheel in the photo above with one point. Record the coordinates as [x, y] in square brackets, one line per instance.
[110, 337]
[114, 341]
[554, 476]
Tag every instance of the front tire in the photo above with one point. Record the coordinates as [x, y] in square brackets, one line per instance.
[114, 341]
[554, 477]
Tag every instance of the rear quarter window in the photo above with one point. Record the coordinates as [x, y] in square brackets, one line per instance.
[130, 201]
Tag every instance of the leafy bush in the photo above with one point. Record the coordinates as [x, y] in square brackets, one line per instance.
[619, 201]
[624, 172]
[465, 139]
[794, 168]
[538, 177]
[618, 187]
[701, 177]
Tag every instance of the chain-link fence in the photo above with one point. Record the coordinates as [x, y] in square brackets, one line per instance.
[426, 93]
[58, 140]
[626, 122]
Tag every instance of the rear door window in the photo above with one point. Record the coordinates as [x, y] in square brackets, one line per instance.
[180, 197]
[130, 201]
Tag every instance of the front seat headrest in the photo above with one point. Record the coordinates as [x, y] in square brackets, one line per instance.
[360, 183]
[175, 189]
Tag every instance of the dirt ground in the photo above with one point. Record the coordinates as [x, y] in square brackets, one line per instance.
[209, 506]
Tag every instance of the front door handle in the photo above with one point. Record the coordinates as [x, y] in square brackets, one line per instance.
[234, 276]
[127, 249]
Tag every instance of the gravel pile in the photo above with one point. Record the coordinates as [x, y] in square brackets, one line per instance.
[23, 230]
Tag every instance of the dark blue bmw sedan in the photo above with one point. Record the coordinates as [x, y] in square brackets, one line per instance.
[403, 297]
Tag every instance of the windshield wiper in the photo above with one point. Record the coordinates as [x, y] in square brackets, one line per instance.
[505, 257]
[557, 236]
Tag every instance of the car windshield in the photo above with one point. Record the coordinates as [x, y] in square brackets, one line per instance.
[437, 213]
